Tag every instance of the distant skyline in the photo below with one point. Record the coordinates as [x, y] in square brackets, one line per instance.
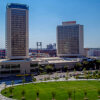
[45, 15]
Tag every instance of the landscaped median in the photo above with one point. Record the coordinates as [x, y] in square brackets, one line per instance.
[59, 90]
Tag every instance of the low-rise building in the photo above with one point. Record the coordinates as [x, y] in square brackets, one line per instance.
[92, 52]
[20, 67]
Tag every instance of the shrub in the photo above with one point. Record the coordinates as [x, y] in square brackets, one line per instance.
[45, 79]
[56, 78]
[66, 78]
[34, 79]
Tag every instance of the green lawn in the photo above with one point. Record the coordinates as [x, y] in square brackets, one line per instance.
[61, 89]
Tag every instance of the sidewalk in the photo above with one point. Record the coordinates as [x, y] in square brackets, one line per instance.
[1, 96]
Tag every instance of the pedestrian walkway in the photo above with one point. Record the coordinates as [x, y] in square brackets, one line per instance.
[1, 96]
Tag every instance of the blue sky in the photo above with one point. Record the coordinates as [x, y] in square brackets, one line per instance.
[45, 15]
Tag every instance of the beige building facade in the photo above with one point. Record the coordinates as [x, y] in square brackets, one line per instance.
[17, 31]
[70, 39]
[21, 67]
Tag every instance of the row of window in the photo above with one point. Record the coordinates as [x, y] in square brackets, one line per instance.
[10, 66]
[33, 65]
[10, 72]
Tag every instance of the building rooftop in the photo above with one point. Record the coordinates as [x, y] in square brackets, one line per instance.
[69, 23]
[53, 60]
[16, 5]
[48, 60]
[6, 60]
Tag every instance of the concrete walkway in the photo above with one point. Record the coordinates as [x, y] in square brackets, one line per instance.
[1, 96]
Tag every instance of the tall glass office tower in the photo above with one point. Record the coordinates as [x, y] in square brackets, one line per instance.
[70, 39]
[17, 31]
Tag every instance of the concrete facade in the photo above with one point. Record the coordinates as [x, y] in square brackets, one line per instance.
[17, 31]
[70, 39]
[21, 67]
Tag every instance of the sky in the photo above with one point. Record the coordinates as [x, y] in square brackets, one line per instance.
[45, 15]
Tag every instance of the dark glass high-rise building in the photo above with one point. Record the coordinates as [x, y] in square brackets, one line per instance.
[17, 31]
[70, 39]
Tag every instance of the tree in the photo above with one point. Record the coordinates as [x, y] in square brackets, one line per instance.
[91, 65]
[11, 92]
[86, 64]
[33, 78]
[99, 75]
[23, 81]
[74, 73]
[85, 73]
[74, 94]
[41, 69]
[12, 83]
[97, 62]
[94, 75]
[23, 94]
[69, 95]
[37, 94]
[78, 66]
[53, 95]
[65, 68]
[85, 95]
[49, 68]
[5, 88]
[98, 93]
[67, 75]
[77, 76]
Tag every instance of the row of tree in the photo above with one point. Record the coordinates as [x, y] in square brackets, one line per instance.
[88, 65]
[70, 93]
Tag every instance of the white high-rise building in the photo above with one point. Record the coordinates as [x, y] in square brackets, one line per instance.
[17, 36]
[70, 42]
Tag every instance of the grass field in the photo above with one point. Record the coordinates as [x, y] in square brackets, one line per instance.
[61, 89]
